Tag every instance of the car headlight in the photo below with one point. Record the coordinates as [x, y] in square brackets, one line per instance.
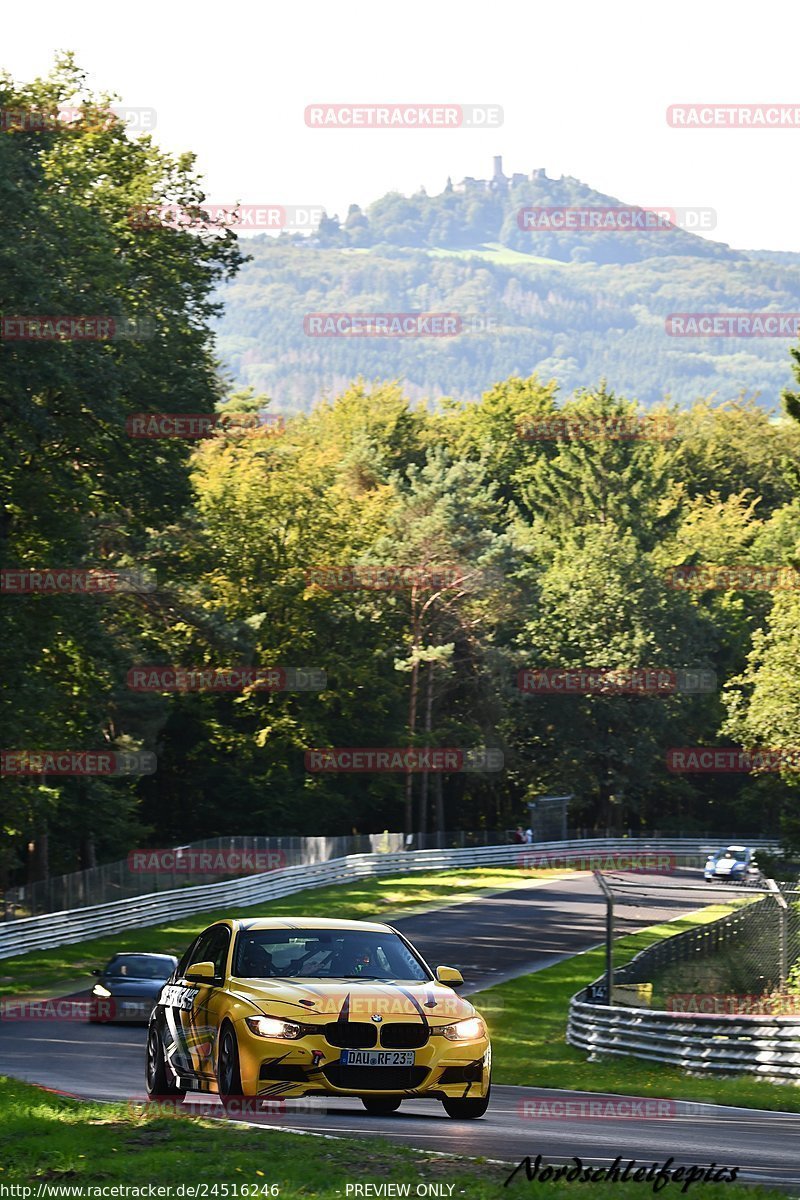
[465, 1031]
[99, 990]
[271, 1027]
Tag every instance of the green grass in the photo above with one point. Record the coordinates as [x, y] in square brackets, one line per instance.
[48, 1139]
[376, 898]
[528, 1016]
[495, 252]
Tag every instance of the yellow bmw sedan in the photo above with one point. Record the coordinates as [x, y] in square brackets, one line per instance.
[282, 1008]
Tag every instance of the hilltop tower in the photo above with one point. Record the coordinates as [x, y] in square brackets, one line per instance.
[499, 181]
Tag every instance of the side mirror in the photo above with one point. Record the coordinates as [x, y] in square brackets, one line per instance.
[202, 972]
[450, 976]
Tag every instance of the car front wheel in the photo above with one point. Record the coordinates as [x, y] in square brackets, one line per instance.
[467, 1109]
[229, 1079]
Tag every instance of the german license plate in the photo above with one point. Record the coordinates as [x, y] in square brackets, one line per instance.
[377, 1058]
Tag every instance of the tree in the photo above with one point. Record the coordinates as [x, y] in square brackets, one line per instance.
[77, 490]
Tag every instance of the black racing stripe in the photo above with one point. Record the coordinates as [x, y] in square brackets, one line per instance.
[344, 1011]
[476, 1062]
[274, 1089]
[415, 1002]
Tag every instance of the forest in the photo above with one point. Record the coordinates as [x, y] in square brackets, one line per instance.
[611, 545]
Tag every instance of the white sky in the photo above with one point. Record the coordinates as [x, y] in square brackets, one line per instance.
[584, 87]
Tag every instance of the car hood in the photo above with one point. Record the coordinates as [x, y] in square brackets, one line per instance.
[320, 1000]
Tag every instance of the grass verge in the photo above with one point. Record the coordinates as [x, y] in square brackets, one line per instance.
[528, 1019]
[374, 898]
[48, 1139]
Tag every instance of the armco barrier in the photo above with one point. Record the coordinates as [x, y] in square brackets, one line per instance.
[761, 1045]
[76, 925]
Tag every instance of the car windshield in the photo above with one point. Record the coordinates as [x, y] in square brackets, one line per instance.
[737, 853]
[325, 954]
[139, 966]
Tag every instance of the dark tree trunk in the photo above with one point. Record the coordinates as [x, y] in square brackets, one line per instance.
[423, 791]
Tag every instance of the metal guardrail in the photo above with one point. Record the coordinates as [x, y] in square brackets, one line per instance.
[75, 925]
[761, 1044]
[118, 880]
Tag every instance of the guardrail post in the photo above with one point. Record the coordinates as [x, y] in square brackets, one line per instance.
[606, 890]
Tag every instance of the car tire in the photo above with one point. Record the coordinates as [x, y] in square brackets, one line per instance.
[158, 1080]
[467, 1109]
[381, 1106]
[229, 1077]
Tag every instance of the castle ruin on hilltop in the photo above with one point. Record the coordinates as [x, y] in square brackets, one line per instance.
[498, 182]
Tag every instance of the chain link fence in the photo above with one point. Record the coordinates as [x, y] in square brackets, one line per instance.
[742, 957]
[146, 871]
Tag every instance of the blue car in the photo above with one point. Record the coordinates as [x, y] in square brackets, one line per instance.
[734, 864]
[128, 987]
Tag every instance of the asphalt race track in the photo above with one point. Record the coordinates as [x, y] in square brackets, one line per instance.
[489, 939]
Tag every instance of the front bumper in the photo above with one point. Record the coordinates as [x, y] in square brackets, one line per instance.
[273, 1067]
